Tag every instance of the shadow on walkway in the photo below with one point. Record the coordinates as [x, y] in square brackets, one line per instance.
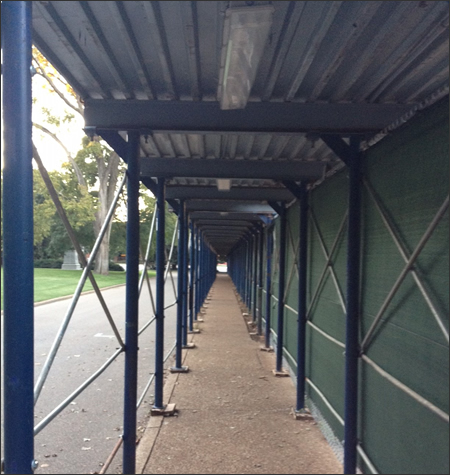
[234, 415]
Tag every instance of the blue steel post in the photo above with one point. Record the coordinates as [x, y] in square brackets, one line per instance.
[248, 274]
[197, 275]
[131, 307]
[268, 286]
[18, 238]
[281, 285]
[185, 280]
[302, 287]
[180, 279]
[260, 278]
[352, 321]
[192, 279]
[160, 258]
[255, 274]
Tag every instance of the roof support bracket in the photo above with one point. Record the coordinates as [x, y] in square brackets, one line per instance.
[347, 153]
[297, 190]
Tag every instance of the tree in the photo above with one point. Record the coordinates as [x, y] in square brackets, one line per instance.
[50, 237]
[95, 166]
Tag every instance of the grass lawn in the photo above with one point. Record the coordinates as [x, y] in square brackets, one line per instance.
[52, 283]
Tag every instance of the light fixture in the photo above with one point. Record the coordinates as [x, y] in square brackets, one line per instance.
[223, 184]
[245, 34]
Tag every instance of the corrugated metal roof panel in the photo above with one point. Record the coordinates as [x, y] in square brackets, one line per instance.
[325, 51]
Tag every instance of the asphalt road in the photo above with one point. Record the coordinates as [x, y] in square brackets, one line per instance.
[82, 436]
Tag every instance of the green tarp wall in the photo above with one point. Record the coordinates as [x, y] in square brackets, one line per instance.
[408, 172]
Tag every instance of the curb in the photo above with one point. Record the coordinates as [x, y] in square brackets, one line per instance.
[66, 297]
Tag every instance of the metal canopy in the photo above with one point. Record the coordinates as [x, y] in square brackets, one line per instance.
[340, 68]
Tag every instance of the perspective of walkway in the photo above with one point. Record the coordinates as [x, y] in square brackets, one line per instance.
[234, 415]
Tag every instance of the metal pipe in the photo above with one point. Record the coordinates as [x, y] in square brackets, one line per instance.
[330, 256]
[403, 252]
[77, 391]
[71, 233]
[111, 456]
[192, 279]
[180, 303]
[160, 255]
[255, 275]
[398, 384]
[184, 270]
[352, 320]
[260, 279]
[52, 353]
[131, 307]
[147, 252]
[144, 392]
[339, 418]
[282, 267]
[302, 294]
[269, 251]
[437, 218]
[146, 325]
[18, 238]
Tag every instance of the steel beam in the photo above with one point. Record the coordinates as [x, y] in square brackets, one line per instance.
[18, 239]
[196, 215]
[131, 308]
[228, 206]
[232, 169]
[235, 193]
[257, 117]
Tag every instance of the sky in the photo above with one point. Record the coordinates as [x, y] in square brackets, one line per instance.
[52, 154]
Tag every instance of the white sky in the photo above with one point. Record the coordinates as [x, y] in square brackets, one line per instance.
[52, 154]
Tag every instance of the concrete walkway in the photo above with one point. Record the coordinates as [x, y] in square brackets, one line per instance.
[234, 414]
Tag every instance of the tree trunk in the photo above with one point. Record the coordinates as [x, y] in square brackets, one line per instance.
[107, 176]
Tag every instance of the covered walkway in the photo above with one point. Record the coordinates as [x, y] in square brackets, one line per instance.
[234, 415]
[305, 144]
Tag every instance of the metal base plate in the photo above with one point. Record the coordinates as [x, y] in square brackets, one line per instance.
[280, 374]
[183, 369]
[166, 411]
[269, 350]
[302, 416]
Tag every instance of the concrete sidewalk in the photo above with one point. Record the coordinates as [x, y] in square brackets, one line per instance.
[234, 414]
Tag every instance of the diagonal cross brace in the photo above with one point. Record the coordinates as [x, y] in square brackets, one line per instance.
[327, 265]
[405, 256]
[409, 265]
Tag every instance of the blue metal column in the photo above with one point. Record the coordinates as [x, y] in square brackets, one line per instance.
[18, 238]
[302, 287]
[180, 281]
[281, 285]
[192, 279]
[352, 322]
[260, 278]
[255, 274]
[268, 285]
[160, 258]
[131, 307]
[197, 275]
[185, 280]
